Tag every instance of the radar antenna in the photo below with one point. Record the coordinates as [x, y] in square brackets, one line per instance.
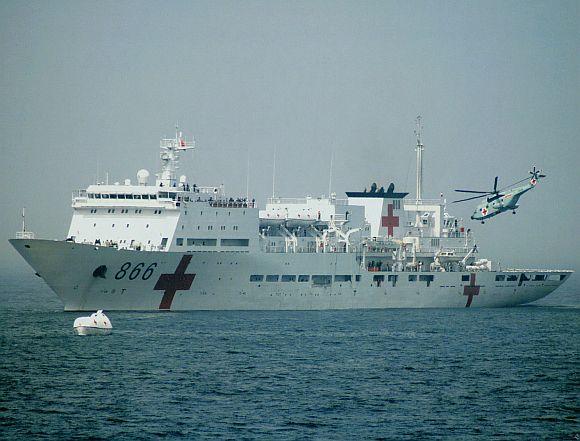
[170, 151]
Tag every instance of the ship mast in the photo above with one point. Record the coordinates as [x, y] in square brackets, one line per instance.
[419, 149]
[170, 150]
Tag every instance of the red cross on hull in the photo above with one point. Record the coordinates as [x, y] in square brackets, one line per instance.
[390, 221]
[171, 283]
[470, 290]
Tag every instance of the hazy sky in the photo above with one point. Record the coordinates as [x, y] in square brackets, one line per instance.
[94, 85]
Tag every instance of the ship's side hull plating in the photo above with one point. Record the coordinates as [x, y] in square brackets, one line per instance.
[87, 277]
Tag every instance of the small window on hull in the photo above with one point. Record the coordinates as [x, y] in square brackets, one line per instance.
[378, 280]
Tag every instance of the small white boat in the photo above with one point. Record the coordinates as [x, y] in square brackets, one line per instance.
[97, 324]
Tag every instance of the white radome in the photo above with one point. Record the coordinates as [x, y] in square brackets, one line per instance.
[142, 176]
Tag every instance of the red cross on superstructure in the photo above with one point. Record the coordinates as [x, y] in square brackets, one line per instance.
[390, 221]
[171, 283]
[470, 290]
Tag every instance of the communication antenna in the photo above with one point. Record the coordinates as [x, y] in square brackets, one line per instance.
[274, 175]
[248, 178]
[330, 174]
[419, 149]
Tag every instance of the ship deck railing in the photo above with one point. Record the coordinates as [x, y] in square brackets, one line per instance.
[24, 235]
[302, 201]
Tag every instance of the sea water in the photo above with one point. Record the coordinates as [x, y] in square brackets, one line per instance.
[465, 374]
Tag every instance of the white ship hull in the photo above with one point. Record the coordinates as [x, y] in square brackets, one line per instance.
[150, 281]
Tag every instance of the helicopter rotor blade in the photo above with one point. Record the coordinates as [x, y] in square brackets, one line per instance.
[469, 199]
[473, 191]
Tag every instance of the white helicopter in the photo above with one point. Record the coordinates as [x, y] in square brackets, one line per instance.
[502, 200]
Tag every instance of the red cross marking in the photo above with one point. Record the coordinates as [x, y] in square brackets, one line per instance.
[470, 290]
[484, 211]
[171, 283]
[390, 221]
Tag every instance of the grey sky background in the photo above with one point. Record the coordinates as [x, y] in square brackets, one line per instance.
[94, 85]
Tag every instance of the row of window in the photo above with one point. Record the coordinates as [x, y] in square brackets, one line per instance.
[124, 211]
[377, 279]
[180, 241]
[537, 277]
[121, 196]
[319, 279]
[113, 225]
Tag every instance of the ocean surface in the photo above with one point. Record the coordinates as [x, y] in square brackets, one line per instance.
[342, 375]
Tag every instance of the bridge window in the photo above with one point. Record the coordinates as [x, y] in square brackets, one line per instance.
[235, 242]
[303, 278]
[272, 277]
[163, 195]
[256, 278]
[152, 196]
[563, 276]
[128, 196]
[512, 278]
[396, 204]
[413, 278]
[465, 278]
[136, 196]
[322, 279]
[113, 196]
[121, 196]
[357, 278]
[393, 279]
[427, 278]
[342, 278]
[377, 280]
[539, 277]
[97, 196]
[500, 278]
[105, 196]
[288, 278]
[144, 196]
[179, 241]
[201, 242]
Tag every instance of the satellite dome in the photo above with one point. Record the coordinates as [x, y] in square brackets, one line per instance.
[142, 176]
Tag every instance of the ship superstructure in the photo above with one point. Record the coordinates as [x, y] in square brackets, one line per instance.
[175, 245]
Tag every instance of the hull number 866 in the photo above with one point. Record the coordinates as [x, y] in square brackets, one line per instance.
[135, 271]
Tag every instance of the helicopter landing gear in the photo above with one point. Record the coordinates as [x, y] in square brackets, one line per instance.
[482, 222]
[514, 212]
